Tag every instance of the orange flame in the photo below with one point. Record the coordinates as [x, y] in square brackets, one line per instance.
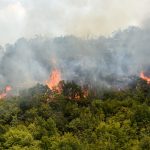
[142, 75]
[5, 92]
[54, 80]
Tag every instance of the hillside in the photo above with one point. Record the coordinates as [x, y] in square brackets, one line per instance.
[40, 119]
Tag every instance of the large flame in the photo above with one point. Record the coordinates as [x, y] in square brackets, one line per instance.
[144, 77]
[5, 92]
[54, 79]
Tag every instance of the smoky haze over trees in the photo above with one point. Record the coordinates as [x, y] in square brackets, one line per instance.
[102, 60]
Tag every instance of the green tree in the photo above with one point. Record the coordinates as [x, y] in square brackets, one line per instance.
[65, 142]
[20, 137]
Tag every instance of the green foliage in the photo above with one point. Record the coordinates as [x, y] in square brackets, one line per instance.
[65, 142]
[19, 137]
[142, 115]
[40, 119]
[71, 90]
[145, 143]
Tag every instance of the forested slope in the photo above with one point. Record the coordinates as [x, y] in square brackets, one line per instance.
[41, 119]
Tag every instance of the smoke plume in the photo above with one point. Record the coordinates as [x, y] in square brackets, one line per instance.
[103, 61]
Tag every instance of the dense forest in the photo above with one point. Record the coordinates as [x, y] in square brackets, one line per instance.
[106, 119]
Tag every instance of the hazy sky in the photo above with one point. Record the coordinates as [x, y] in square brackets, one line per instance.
[62, 17]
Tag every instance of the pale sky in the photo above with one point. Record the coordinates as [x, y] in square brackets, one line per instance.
[83, 18]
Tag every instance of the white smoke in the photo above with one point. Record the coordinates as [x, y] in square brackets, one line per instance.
[101, 60]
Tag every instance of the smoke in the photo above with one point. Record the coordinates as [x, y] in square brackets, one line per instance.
[100, 61]
[81, 18]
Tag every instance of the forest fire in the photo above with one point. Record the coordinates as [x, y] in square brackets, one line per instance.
[5, 92]
[55, 78]
[144, 77]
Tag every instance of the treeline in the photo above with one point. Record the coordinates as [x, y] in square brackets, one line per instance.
[40, 119]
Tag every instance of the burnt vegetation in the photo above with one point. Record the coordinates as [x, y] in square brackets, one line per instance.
[103, 119]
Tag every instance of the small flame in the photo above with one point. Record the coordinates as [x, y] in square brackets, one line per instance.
[142, 75]
[5, 92]
[54, 80]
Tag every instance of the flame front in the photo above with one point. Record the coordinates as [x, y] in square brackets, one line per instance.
[5, 92]
[142, 75]
[54, 79]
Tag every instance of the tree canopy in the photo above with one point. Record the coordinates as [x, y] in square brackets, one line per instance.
[39, 119]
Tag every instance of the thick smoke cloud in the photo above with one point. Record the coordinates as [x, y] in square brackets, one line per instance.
[104, 61]
[81, 18]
